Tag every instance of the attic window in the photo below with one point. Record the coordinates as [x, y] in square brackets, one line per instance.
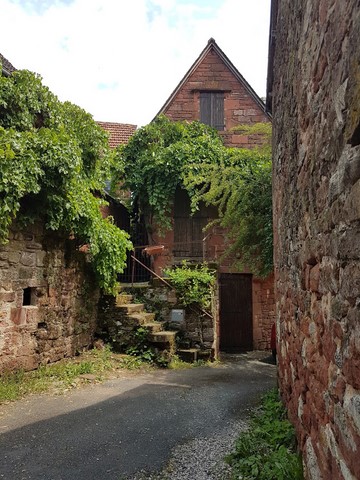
[212, 109]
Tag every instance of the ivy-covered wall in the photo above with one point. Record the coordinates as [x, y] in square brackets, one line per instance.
[48, 299]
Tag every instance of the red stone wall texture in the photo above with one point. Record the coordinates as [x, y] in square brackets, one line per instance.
[61, 317]
[239, 106]
[316, 119]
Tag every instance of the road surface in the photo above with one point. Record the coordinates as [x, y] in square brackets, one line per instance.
[142, 423]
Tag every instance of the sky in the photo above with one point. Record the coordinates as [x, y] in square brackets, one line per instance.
[121, 59]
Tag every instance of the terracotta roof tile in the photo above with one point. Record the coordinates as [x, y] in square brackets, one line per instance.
[7, 66]
[120, 133]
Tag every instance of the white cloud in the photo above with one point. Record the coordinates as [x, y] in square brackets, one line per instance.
[121, 60]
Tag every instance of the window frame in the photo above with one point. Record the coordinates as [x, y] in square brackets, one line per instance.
[212, 111]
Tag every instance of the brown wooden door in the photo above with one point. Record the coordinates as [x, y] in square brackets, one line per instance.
[236, 329]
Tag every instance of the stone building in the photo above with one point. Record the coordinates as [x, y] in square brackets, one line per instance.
[48, 299]
[314, 93]
[214, 92]
[48, 293]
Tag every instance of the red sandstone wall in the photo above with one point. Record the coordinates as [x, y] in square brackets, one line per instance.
[62, 316]
[239, 106]
[316, 119]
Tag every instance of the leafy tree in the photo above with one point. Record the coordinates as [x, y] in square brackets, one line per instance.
[53, 160]
[165, 154]
[240, 186]
[158, 159]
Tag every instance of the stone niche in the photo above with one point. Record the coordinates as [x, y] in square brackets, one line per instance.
[48, 299]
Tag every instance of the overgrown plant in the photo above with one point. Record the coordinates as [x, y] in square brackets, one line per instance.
[240, 186]
[54, 159]
[157, 159]
[166, 155]
[193, 284]
[144, 352]
[267, 450]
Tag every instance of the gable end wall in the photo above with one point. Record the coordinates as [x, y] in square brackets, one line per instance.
[239, 106]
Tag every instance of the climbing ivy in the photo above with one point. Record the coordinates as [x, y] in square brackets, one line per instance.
[165, 154]
[54, 160]
[240, 186]
[157, 160]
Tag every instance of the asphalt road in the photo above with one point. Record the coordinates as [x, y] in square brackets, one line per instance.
[128, 425]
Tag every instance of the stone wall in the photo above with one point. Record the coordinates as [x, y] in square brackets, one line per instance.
[239, 106]
[263, 311]
[316, 119]
[48, 300]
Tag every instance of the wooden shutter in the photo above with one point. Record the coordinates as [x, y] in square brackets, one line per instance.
[217, 110]
[212, 109]
[205, 107]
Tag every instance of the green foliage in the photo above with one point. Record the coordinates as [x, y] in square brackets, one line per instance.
[240, 186]
[165, 155]
[15, 385]
[144, 352]
[158, 158]
[53, 158]
[193, 284]
[260, 128]
[267, 451]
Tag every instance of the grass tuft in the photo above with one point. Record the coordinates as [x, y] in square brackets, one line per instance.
[65, 374]
[267, 450]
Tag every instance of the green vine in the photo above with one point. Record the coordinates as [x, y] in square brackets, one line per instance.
[159, 157]
[193, 284]
[240, 186]
[165, 155]
[53, 160]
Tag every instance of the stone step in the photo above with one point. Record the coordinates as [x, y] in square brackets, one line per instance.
[164, 340]
[153, 327]
[123, 299]
[163, 336]
[130, 308]
[188, 354]
[126, 286]
[142, 318]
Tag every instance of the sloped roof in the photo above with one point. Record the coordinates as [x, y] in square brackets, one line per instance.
[120, 133]
[212, 45]
[7, 67]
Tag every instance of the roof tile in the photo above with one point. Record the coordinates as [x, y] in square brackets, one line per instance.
[120, 133]
[7, 66]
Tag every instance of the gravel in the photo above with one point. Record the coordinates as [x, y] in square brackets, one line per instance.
[199, 459]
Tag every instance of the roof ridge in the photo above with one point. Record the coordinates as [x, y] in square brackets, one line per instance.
[212, 45]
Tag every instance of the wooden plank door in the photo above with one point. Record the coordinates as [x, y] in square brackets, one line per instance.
[236, 328]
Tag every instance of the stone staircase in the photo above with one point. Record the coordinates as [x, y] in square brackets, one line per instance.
[135, 314]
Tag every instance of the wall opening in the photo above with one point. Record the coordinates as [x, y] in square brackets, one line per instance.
[29, 296]
[355, 139]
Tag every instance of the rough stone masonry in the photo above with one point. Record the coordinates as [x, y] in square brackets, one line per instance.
[316, 110]
[48, 299]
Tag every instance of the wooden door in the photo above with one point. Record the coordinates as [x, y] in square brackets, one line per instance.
[236, 329]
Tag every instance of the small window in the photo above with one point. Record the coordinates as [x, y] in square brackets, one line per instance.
[212, 109]
[29, 296]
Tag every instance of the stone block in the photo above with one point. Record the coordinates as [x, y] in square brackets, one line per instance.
[28, 259]
[352, 203]
[314, 278]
